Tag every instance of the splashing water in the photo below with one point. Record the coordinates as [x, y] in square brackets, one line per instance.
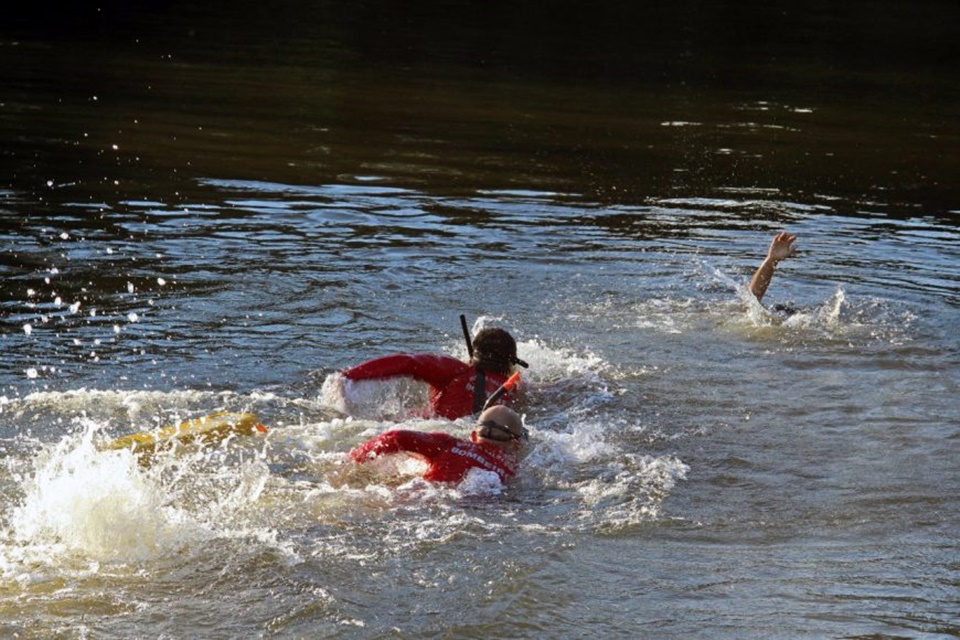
[100, 505]
[630, 492]
[84, 506]
[394, 399]
[825, 315]
[109, 506]
[833, 317]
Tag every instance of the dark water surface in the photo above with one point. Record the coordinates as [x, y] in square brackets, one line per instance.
[218, 206]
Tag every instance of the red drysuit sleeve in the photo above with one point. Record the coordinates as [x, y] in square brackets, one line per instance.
[426, 445]
[435, 370]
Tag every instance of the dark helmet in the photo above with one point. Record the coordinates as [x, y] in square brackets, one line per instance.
[494, 350]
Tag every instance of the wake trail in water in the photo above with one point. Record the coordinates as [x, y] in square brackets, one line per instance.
[575, 447]
[67, 500]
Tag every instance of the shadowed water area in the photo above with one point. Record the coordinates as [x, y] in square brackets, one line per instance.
[219, 206]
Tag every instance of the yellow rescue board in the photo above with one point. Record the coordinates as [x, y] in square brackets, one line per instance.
[212, 428]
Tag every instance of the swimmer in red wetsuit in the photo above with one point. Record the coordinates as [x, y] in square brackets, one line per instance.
[495, 445]
[454, 388]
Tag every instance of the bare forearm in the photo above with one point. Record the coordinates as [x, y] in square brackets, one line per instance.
[780, 247]
[761, 279]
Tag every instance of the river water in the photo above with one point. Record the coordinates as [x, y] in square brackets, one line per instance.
[208, 209]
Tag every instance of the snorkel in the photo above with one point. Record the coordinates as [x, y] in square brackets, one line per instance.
[502, 389]
[466, 335]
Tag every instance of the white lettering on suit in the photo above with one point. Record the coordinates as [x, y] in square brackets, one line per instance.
[473, 455]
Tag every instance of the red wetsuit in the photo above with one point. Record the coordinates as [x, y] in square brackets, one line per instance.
[449, 458]
[451, 381]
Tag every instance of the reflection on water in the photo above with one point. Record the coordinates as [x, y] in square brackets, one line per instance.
[208, 210]
[633, 103]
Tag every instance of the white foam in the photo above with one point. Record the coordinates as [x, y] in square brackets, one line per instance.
[80, 502]
[100, 505]
[480, 482]
[388, 399]
[630, 491]
[556, 362]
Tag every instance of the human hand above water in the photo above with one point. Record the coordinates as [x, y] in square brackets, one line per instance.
[781, 246]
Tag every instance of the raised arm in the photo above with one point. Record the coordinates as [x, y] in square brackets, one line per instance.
[780, 247]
